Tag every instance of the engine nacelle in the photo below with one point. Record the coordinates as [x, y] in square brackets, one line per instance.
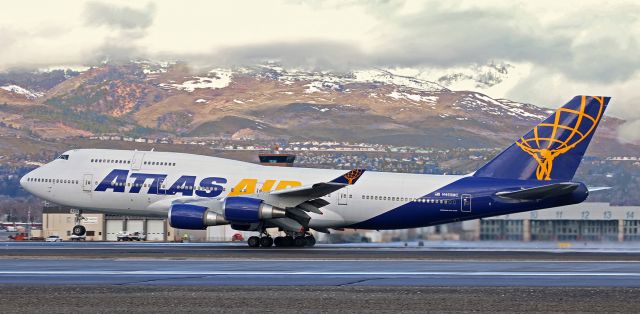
[194, 217]
[247, 209]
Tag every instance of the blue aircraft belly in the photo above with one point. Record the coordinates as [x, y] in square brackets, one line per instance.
[484, 203]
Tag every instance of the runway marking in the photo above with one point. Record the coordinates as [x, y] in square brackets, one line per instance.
[179, 250]
[329, 273]
[351, 260]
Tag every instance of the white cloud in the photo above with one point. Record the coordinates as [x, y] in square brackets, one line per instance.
[559, 48]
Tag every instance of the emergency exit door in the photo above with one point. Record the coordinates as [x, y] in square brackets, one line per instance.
[136, 162]
[343, 196]
[87, 183]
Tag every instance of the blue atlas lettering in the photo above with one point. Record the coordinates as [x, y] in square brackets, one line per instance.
[183, 185]
[115, 180]
[211, 188]
[141, 178]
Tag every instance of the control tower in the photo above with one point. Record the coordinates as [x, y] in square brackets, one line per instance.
[277, 159]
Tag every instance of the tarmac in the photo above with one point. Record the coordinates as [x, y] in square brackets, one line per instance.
[210, 264]
[206, 277]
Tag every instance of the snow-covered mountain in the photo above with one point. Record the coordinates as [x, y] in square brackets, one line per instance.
[17, 90]
[268, 101]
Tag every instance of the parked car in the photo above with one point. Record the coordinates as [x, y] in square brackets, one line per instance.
[53, 238]
[134, 236]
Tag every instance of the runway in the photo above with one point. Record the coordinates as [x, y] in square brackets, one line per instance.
[464, 251]
[318, 273]
[326, 265]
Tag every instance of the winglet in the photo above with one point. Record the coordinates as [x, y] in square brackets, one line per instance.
[350, 177]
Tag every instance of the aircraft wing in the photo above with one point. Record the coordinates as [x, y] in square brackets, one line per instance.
[297, 201]
[303, 198]
[323, 188]
[540, 192]
[308, 196]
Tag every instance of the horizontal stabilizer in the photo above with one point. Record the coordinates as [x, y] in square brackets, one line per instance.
[598, 188]
[540, 192]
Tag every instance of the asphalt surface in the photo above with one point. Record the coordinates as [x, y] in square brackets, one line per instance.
[471, 251]
[304, 299]
[307, 272]
[208, 264]
[229, 278]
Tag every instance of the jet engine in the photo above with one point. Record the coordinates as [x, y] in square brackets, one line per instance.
[194, 217]
[247, 209]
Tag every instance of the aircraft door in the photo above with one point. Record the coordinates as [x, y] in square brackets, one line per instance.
[466, 203]
[343, 196]
[87, 183]
[157, 186]
[136, 163]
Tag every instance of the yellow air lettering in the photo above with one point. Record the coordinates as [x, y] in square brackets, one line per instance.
[245, 186]
[268, 185]
[287, 184]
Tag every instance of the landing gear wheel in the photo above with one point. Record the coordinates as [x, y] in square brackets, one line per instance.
[266, 242]
[253, 241]
[311, 241]
[283, 241]
[79, 230]
[299, 241]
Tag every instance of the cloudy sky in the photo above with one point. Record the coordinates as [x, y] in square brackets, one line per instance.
[558, 48]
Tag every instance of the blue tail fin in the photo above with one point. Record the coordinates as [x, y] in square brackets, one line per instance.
[554, 148]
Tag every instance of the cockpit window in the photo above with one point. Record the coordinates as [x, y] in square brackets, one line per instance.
[65, 157]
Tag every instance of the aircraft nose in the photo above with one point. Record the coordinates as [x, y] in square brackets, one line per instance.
[23, 181]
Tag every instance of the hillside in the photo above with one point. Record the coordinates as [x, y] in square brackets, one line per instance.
[265, 102]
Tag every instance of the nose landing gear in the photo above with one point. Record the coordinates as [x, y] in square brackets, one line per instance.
[78, 229]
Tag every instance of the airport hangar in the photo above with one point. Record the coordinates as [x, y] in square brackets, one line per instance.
[581, 222]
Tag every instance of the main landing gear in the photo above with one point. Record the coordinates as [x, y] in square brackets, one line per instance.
[292, 239]
[78, 229]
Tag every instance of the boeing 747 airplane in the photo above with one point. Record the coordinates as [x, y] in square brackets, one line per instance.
[195, 191]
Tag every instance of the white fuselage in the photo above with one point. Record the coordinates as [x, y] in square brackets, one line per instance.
[73, 182]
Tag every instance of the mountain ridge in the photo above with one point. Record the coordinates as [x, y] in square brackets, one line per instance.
[269, 102]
